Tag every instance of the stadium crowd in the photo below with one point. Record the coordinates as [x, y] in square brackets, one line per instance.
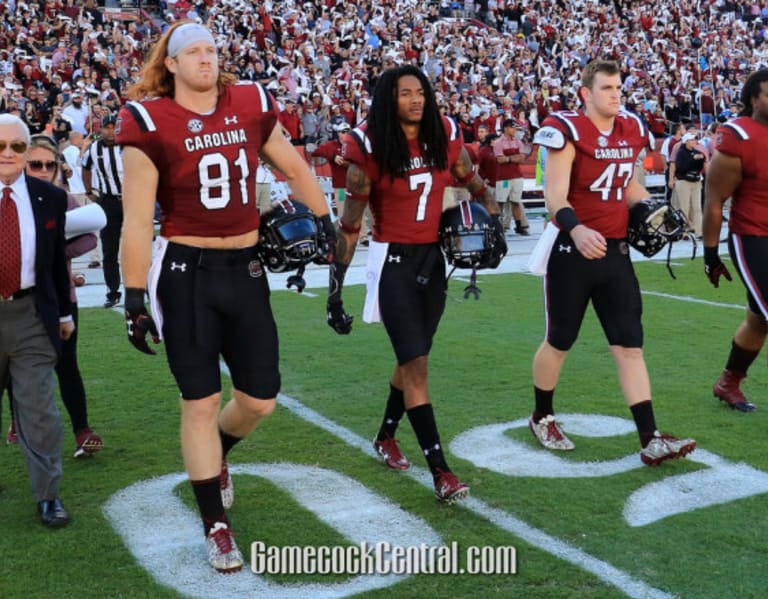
[64, 65]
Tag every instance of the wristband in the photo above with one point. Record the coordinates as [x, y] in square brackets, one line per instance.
[480, 193]
[711, 254]
[346, 228]
[566, 219]
[466, 179]
[134, 298]
[358, 197]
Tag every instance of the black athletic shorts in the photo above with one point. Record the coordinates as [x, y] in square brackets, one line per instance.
[216, 303]
[412, 297]
[750, 255]
[610, 282]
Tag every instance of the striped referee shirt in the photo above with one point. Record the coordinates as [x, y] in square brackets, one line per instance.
[106, 165]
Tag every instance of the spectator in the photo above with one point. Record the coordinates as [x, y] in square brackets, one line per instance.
[510, 152]
[690, 164]
[77, 113]
[331, 152]
[291, 122]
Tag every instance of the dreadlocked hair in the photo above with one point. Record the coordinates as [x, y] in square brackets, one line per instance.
[751, 90]
[390, 146]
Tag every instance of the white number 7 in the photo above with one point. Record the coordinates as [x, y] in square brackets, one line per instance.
[413, 183]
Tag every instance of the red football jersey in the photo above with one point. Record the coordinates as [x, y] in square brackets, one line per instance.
[747, 140]
[206, 163]
[405, 209]
[602, 168]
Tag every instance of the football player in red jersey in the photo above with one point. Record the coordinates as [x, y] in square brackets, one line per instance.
[401, 161]
[193, 137]
[590, 185]
[738, 171]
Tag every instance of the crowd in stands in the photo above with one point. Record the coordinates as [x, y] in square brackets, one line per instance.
[64, 65]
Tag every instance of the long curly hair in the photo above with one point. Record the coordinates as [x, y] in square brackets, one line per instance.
[751, 90]
[390, 146]
[156, 80]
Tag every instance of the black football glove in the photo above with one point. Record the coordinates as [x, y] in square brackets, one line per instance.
[713, 266]
[500, 241]
[138, 321]
[326, 240]
[338, 319]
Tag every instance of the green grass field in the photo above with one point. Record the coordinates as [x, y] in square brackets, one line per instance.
[479, 376]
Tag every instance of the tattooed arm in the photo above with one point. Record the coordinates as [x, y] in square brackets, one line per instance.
[347, 233]
[480, 192]
[463, 172]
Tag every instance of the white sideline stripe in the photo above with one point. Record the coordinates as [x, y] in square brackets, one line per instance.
[694, 300]
[538, 538]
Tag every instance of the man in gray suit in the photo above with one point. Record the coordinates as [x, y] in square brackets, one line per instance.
[34, 312]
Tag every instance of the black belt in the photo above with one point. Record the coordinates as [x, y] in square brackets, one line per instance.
[212, 257]
[18, 295]
[407, 250]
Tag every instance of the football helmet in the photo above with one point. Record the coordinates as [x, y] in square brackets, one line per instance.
[467, 236]
[288, 236]
[652, 224]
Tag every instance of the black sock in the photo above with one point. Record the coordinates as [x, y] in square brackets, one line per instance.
[423, 422]
[644, 421]
[227, 442]
[208, 496]
[392, 413]
[543, 403]
[740, 359]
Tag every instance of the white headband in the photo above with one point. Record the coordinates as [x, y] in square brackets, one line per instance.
[187, 34]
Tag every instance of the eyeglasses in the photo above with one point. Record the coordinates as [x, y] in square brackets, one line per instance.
[39, 165]
[17, 146]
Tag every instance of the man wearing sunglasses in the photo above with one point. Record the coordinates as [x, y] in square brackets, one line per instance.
[35, 312]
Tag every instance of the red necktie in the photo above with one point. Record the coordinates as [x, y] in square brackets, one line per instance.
[10, 246]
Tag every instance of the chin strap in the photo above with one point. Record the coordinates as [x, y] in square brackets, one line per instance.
[298, 280]
[472, 288]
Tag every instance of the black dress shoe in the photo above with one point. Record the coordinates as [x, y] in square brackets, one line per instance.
[52, 513]
[112, 300]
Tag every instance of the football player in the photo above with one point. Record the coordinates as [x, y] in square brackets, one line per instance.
[193, 138]
[737, 171]
[589, 188]
[401, 171]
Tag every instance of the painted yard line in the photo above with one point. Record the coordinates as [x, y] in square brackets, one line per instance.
[538, 538]
[693, 300]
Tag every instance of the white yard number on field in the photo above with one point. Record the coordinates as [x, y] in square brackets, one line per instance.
[722, 481]
[167, 542]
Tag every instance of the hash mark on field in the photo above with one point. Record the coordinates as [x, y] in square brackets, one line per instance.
[504, 520]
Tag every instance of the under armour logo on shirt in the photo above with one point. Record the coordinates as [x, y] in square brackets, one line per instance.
[230, 120]
[564, 248]
[392, 258]
[182, 267]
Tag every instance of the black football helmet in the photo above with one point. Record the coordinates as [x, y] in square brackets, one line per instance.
[288, 236]
[652, 224]
[466, 235]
